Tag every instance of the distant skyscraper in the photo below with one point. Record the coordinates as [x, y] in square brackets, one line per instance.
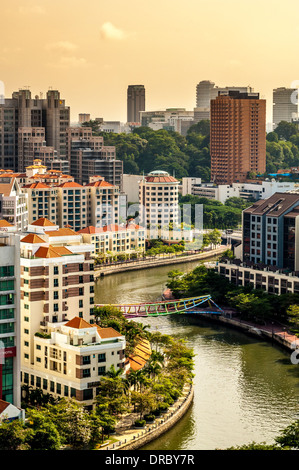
[238, 136]
[207, 91]
[22, 111]
[135, 102]
[285, 105]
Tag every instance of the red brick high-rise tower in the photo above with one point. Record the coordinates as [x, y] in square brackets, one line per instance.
[238, 136]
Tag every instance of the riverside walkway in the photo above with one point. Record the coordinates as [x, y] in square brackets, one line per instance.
[128, 438]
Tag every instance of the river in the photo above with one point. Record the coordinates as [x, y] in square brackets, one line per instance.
[245, 389]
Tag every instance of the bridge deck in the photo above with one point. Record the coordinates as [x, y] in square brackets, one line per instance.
[190, 305]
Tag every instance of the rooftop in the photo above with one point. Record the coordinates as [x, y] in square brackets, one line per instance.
[275, 205]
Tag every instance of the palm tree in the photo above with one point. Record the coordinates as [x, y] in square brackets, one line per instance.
[113, 373]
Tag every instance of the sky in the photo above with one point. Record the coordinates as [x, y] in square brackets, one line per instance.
[91, 51]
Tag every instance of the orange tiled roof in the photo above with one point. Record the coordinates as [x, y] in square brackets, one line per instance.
[52, 252]
[32, 238]
[141, 355]
[108, 333]
[4, 223]
[78, 323]
[37, 186]
[43, 222]
[70, 184]
[3, 405]
[161, 179]
[100, 183]
[61, 232]
[91, 229]
[62, 250]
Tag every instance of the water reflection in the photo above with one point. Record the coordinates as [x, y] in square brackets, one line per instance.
[245, 389]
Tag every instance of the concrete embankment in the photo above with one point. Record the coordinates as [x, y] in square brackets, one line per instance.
[135, 438]
[274, 333]
[156, 262]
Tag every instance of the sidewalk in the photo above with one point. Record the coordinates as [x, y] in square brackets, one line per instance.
[275, 330]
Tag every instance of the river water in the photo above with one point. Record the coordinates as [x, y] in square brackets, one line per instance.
[245, 389]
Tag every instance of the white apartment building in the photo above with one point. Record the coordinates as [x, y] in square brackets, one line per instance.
[13, 203]
[114, 239]
[72, 360]
[57, 284]
[158, 200]
[102, 202]
[42, 202]
[222, 192]
[72, 205]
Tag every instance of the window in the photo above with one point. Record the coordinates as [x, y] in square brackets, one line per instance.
[85, 360]
[102, 357]
[101, 370]
[86, 373]
[56, 270]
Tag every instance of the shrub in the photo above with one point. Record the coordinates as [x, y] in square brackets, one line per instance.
[139, 423]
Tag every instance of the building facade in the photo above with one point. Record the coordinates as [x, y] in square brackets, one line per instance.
[285, 105]
[238, 137]
[23, 111]
[158, 200]
[135, 102]
[10, 328]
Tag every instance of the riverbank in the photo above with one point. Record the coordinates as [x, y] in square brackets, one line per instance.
[273, 332]
[132, 439]
[156, 262]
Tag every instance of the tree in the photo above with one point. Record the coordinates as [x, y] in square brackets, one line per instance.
[285, 130]
[293, 315]
[13, 436]
[289, 437]
[143, 401]
[215, 237]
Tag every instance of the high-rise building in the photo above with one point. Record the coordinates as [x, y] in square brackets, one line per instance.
[207, 91]
[238, 136]
[285, 105]
[88, 156]
[83, 117]
[158, 200]
[23, 111]
[10, 328]
[135, 102]
[270, 231]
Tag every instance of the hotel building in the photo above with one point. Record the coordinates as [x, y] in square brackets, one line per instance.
[158, 200]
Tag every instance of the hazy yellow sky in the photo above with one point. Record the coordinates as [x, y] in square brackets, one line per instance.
[91, 51]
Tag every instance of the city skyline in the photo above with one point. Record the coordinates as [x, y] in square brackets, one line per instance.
[91, 55]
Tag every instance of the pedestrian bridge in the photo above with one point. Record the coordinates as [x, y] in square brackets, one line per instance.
[194, 305]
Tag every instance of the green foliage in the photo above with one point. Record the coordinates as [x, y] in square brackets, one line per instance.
[13, 436]
[216, 214]
[256, 305]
